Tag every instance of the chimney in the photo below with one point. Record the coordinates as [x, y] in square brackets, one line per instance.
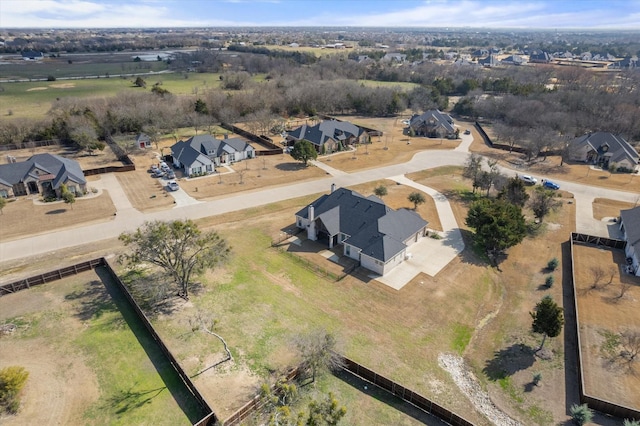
[333, 187]
[311, 214]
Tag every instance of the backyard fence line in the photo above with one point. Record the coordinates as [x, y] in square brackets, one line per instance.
[210, 418]
[404, 393]
[28, 145]
[256, 403]
[598, 404]
[49, 276]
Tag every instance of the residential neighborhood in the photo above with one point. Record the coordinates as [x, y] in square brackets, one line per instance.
[389, 224]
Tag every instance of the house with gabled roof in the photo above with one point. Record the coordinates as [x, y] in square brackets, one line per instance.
[489, 62]
[42, 174]
[143, 141]
[328, 136]
[433, 124]
[604, 149]
[630, 228]
[201, 154]
[368, 230]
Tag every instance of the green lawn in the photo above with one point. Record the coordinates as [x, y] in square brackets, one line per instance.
[403, 85]
[136, 384]
[34, 99]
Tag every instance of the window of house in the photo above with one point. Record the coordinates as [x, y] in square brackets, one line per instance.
[4, 193]
[348, 250]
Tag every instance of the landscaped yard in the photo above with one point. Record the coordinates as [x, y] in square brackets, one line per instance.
[89, 361]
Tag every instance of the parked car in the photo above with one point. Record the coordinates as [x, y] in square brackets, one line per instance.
[172, 185]
[467, 132]
[530, 180]
[170, 175]
[153, 168]
[406, 122]
[158, 173]
[549, 184]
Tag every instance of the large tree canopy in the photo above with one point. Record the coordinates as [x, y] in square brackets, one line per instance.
[178, 247]
[498, 224]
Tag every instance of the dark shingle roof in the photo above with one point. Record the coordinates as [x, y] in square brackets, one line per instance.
[63, 169]
[374, 228]
[433, 115]
[191, 150]
[322, 132]
[618, 147]
[631, 221]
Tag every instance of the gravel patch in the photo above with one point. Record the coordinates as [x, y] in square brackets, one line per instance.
[468, 384]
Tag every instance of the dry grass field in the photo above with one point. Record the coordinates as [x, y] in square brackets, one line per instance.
[26, 216]
[603, 310]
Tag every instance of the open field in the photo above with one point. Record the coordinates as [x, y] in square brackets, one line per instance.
[602, 310]
[34, 99]
[104, 370]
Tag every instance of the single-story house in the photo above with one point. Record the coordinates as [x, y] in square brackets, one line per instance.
[42, 174]
[630, 227]
[143, 141]
[328, 136]
[201, 154]
[604, 149]
[370, 232]
[514, 60]
[433, 124]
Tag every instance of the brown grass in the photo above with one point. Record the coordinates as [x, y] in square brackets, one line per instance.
[24, 217]
[602, 309]
[374, 154]
[604, 207]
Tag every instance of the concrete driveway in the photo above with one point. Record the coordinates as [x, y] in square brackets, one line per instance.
[428, 255]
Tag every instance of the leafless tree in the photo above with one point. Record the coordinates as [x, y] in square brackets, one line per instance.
[630, 341]
[597, 275]
[318, 351]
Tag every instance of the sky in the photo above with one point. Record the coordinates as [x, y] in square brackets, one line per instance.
[549, 14]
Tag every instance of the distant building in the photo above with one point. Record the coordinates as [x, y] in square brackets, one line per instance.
[604, 149]
[31, 55]
[433, 124]
[539, 57]
[328, 136]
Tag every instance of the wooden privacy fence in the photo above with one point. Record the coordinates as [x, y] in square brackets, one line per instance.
[369, 130]
[210, 418]
[405, 394]
[28, 145]
[46, 277]
[601, 405]
[272, 148]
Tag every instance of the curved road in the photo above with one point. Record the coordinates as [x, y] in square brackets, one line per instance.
[128, 219]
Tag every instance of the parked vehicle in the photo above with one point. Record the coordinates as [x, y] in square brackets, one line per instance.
[158, 173]
[549, 184]
[467, 132]
[530, 180]
[172, 185]
[170, 175]
[153, 168]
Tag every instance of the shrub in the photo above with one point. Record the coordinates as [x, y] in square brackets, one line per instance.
[553, 264]
[536, 378]
[51, 78]
[12, 380]
[549, 281]
[581, 414]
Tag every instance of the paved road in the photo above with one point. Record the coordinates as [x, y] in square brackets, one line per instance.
[129, 219]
